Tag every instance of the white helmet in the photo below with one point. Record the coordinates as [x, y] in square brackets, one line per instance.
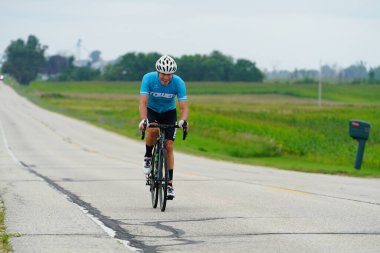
[166, 65]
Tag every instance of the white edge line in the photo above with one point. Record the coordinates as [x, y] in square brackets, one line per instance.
[7, 146]
[108, 230]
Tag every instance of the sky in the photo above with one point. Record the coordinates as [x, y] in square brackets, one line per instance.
[276, 34]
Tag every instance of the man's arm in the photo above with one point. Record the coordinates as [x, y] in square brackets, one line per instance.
[143, 106]
[143, 111]
[184, 109]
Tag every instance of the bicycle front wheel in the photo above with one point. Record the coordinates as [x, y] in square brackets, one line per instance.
[154, 182]
[163, 185]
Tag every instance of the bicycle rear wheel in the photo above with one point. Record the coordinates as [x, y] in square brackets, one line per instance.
[154, 182]
[164, 175]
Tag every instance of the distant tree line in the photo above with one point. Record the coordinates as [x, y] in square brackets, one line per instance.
[357, 74]
[25, 60]
[212, 67]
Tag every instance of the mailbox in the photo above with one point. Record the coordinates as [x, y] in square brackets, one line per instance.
[359, 130]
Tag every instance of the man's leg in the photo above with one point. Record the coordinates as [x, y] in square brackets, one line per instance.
[169, 147]
[170, 117]
[149, 144]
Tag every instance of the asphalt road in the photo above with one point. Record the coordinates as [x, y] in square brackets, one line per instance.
[71, 187]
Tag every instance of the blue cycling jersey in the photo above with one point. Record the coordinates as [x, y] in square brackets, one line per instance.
[162, 97]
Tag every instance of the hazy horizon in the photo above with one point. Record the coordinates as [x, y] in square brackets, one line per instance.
[275, 35]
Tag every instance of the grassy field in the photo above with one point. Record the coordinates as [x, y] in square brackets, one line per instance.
[277, 125]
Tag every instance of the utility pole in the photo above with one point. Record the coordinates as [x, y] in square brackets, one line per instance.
[78, 49]
[320, 85]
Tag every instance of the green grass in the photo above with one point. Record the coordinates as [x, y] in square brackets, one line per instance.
[5, 246]
[339, 93]
[267, 124]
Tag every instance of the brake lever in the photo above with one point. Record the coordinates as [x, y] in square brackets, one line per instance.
[143, 131]
[142, 134]
[184, 133]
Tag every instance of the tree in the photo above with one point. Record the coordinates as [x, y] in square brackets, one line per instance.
[24, 60]
[374, 75]
[73, 73]
[190, 67]
[131, 66]
[217, 67]
[95, 56]
[245, 70]
[56, 64]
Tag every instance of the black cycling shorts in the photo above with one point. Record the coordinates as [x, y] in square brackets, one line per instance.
[169, 117]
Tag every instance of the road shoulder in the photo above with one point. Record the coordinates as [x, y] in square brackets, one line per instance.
[45, 218]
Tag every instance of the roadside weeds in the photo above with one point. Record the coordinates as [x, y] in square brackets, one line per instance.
[5, 246]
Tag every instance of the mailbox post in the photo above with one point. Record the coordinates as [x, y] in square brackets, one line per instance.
[359, 130]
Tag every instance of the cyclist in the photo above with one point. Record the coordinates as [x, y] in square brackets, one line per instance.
[157, 104]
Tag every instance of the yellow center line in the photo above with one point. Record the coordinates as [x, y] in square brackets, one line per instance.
[288, 190]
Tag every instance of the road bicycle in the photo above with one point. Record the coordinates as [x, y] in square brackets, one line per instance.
[158, 178]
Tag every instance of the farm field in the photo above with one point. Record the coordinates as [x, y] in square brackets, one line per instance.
[278, 125]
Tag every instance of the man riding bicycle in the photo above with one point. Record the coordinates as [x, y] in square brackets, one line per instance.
[157, 104]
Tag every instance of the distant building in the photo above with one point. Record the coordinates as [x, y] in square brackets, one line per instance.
[100, 65]
[82, 63]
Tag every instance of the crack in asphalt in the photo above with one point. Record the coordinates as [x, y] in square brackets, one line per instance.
[291, 233]
[175, 234]
[120, 233]
[96, 180]
[74, 234]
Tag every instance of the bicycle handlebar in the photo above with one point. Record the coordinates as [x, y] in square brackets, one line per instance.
[163, 126]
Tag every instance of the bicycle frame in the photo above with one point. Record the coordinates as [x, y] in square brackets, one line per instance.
[158, 178]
